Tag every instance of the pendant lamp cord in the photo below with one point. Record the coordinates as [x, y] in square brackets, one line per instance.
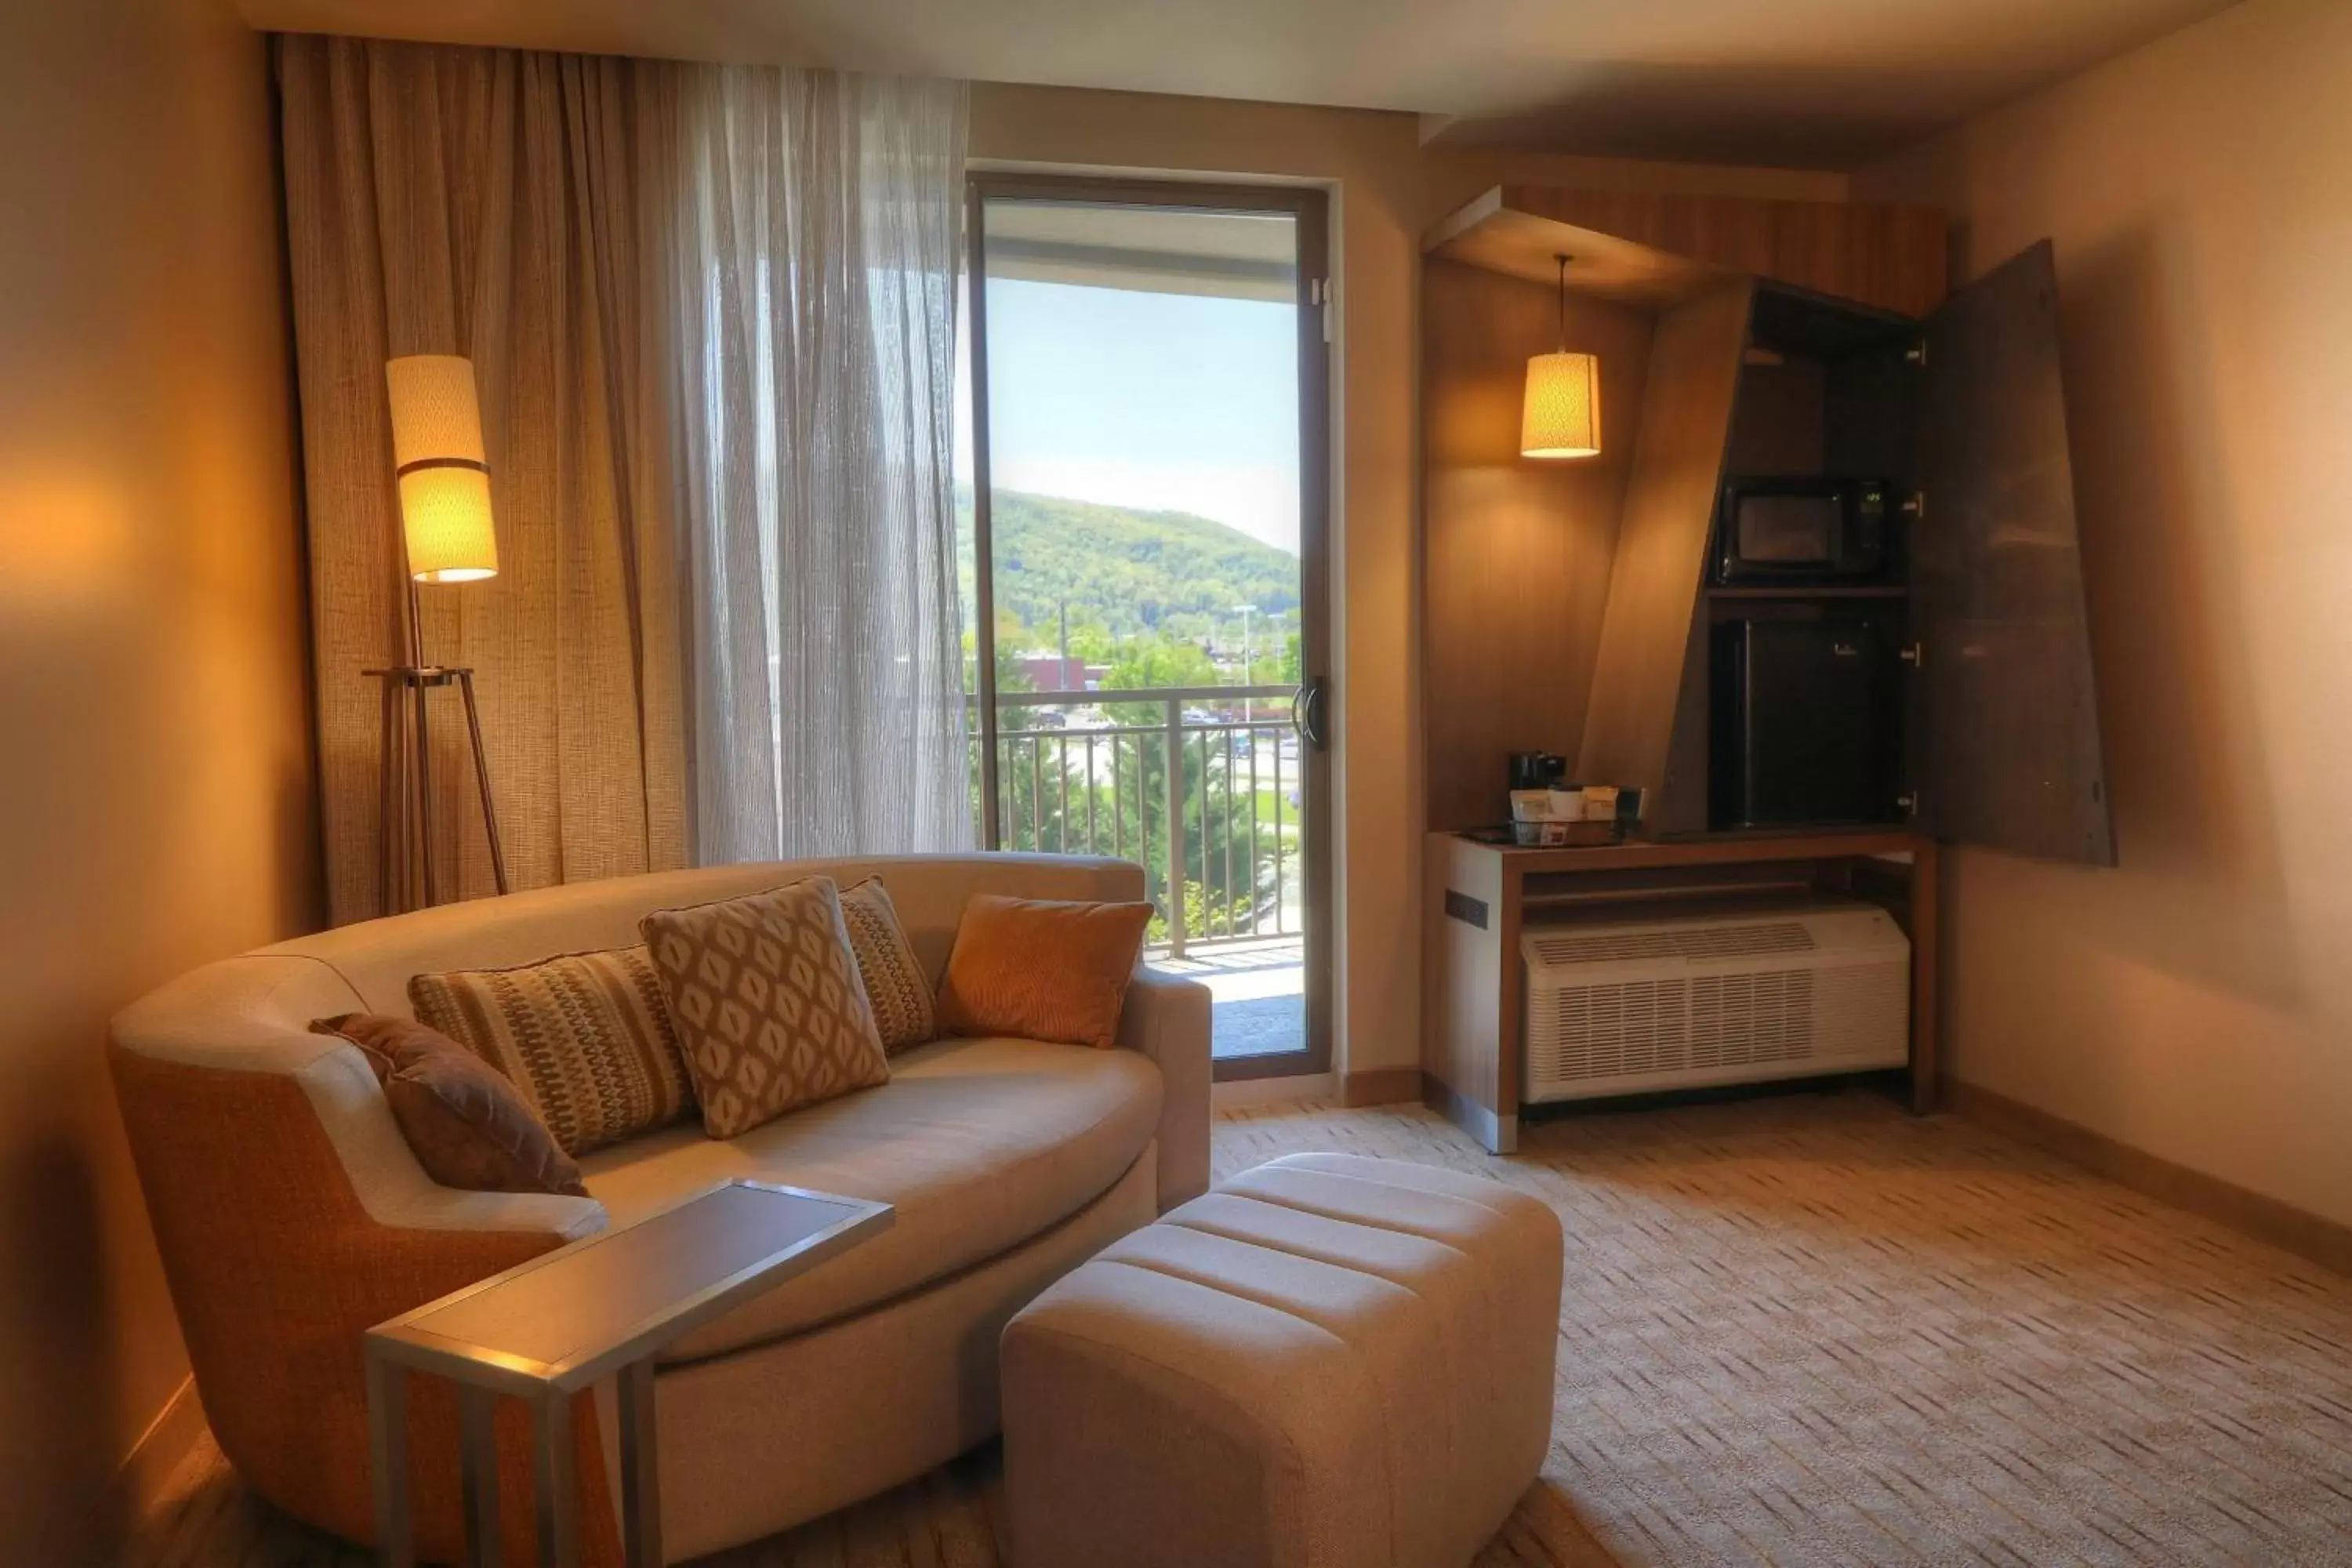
[1563, 302]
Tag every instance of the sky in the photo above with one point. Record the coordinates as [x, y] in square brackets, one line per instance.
[1159, 402]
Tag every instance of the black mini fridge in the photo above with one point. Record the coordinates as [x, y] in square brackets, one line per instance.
[1806, 723]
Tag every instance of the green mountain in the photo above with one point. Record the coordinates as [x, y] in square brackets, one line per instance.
[1124, 571]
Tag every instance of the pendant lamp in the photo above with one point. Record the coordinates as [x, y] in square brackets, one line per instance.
[1561, 417]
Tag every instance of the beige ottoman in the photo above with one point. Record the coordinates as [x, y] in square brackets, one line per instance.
[1328, 1360]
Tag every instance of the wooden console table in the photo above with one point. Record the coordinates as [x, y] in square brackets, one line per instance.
[1477, 896]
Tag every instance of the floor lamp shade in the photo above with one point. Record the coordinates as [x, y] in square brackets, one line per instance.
[1562, 415]
[444, 480]
[442, 473]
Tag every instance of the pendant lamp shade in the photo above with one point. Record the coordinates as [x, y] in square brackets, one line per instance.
[1562, 413]
[444, 476]
[1561, 416]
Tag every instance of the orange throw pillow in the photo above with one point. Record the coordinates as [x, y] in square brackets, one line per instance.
[1042, 969]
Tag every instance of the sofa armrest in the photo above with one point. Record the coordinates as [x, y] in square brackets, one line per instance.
[290, 1218]
[1167, 1019]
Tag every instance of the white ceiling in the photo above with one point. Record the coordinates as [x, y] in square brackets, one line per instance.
[1797, 83]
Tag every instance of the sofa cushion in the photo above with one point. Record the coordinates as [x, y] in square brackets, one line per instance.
[981, 1144]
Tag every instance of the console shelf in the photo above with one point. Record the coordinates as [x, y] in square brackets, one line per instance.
[1842, 591]
[1479, 897]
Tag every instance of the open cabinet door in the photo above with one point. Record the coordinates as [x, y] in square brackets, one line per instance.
[2009, 757]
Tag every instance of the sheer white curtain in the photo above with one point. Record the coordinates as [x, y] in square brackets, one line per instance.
[818, 247]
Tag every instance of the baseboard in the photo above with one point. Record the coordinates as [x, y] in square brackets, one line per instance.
[147, 1470]
[1495, 1135]
[2308, 1236]
[1243, 1091]
[1380, 1086]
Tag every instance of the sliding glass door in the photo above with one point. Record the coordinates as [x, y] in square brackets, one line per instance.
[1143, 479]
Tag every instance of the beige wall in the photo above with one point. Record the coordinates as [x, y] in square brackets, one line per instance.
[2196, 1002]
[154, 783]
[1387, 191]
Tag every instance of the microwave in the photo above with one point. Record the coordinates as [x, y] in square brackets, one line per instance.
[1772, 529]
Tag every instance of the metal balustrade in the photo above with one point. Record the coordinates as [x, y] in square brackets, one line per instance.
[1232, 828]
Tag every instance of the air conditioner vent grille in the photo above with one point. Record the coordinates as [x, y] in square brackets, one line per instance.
[1610, 1030]
[1827, 991]
[1604, 946]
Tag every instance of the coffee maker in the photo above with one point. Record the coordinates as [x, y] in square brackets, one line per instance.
[1538, 770]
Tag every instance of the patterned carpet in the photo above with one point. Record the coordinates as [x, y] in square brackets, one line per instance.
[1800, 1329]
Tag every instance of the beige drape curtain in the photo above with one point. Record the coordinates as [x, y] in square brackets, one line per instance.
[506, 206]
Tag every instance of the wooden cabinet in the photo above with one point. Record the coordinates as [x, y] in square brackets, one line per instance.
[1767, 339]
[2009, 754]
[1991, 735]
[1478, 898]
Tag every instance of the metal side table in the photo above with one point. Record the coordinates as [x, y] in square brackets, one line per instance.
[603, 1306]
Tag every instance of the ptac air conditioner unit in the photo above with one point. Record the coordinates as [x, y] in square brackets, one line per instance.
[1633, 1006]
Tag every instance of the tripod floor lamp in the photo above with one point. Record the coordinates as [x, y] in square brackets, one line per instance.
[447, 536]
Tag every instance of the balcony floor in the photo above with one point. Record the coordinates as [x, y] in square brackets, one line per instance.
[1260, 991]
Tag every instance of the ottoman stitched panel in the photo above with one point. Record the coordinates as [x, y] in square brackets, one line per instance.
[1329, 1361]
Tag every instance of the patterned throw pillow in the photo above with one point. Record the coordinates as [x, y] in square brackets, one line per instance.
[586, 1036]
[765, 994]
[896, 987]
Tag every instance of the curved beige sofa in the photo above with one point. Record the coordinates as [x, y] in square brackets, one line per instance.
[290, 1215]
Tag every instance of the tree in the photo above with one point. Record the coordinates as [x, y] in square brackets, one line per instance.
[1143, 594]
[1091, 642]
[1126, 571]
[1294, 661]
[1010, 674]
[1153, 664]
[1060, 796]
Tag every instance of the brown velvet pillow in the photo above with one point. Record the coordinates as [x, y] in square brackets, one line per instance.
[1043, 969]
[468, 1126]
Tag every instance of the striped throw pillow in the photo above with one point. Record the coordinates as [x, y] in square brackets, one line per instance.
[586, 1036]
[896, 985]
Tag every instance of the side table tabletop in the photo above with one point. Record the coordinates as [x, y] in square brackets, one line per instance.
[603, 1306]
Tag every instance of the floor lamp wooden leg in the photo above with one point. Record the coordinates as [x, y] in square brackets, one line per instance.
[482, 780]
[423, 771]
[404, 808]
[390, 785]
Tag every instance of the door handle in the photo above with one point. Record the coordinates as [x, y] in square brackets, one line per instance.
[1311, 712]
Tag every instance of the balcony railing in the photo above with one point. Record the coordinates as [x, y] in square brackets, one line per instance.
[1086, 773]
